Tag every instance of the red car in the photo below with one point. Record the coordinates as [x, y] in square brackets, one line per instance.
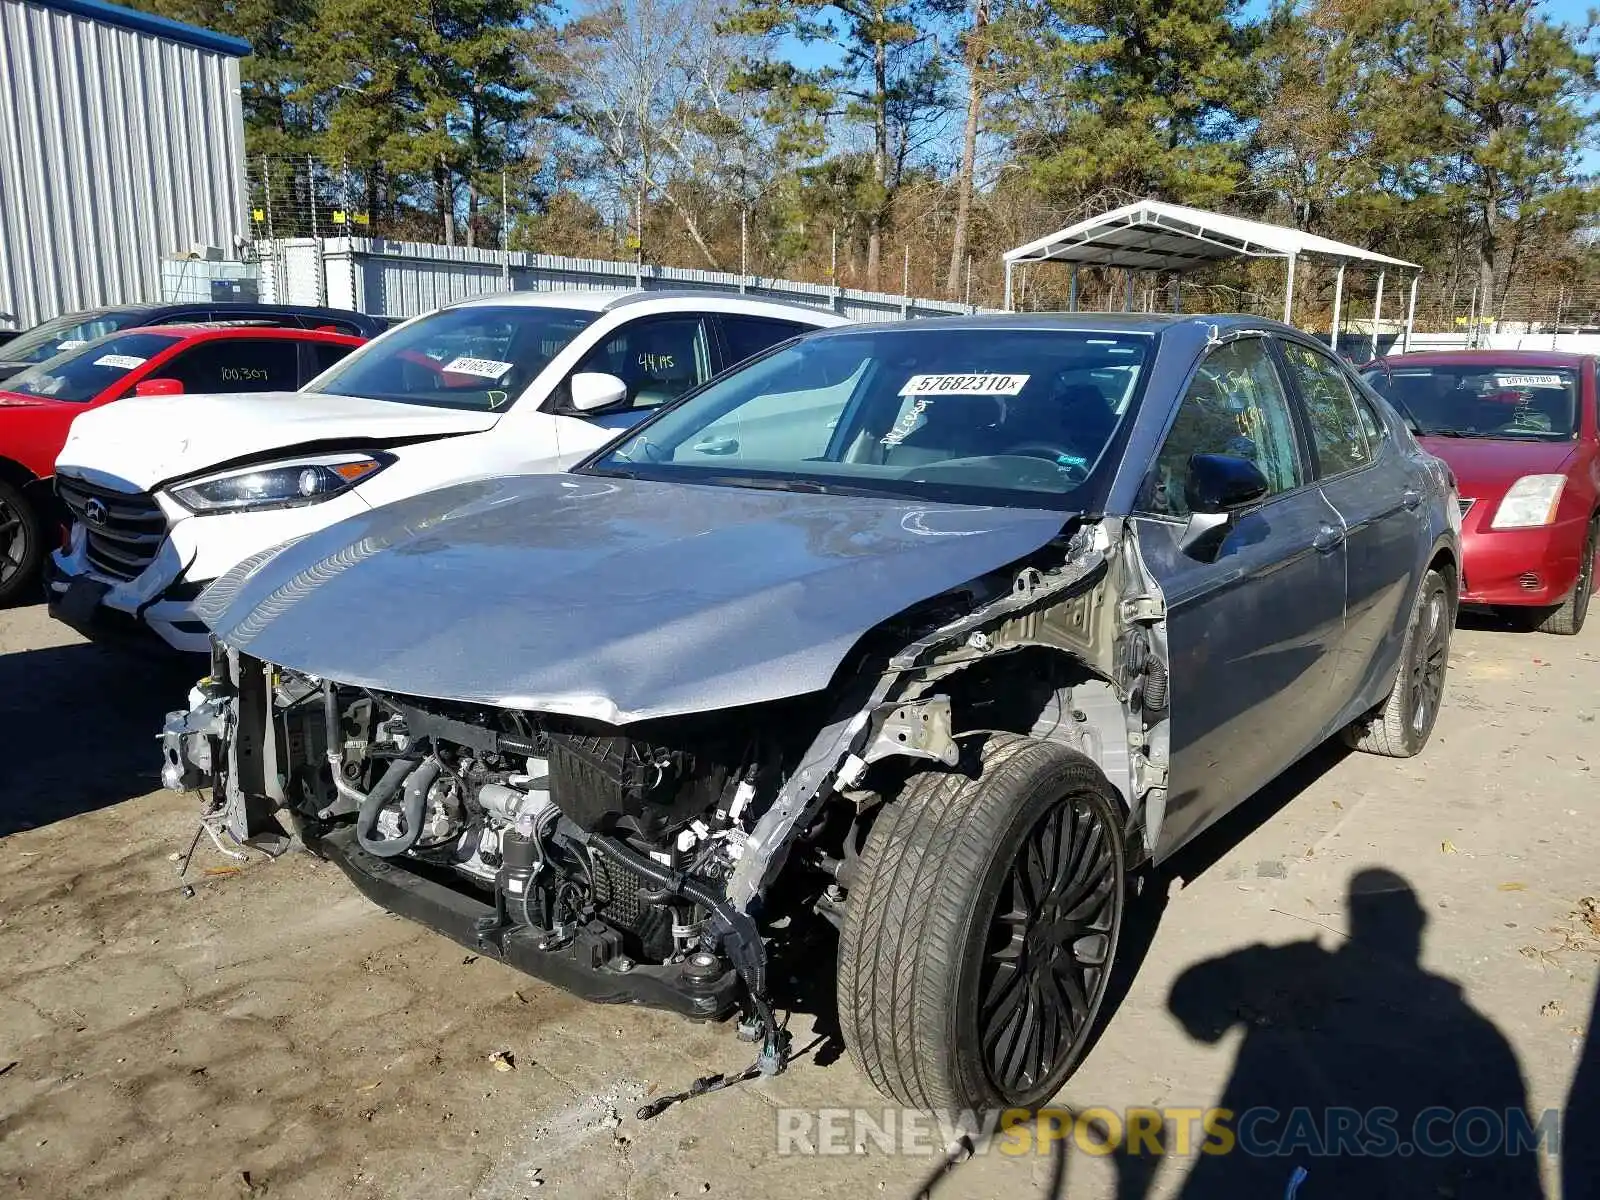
[37, 406]
[1518, 429]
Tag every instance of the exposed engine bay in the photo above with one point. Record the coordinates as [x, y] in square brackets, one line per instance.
[654, 862]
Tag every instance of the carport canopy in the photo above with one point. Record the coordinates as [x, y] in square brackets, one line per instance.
[1151, 235]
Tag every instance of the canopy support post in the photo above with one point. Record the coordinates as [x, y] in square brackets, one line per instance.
[1127, 299]
[1288, 293]
[1377, 312]
[1072, 290]
[1008, 285]
[1338, 297]
[1177, 293]
[1411, 312]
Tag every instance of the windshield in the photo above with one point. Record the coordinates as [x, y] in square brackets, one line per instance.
[64, 333]
[479, 357]
[981, 416]
[1482, 400]
[78, 376]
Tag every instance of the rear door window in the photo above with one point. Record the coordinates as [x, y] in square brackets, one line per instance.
[319, 356]
[237, 365]
[1341, 428]
[658, 358]
[746, 337]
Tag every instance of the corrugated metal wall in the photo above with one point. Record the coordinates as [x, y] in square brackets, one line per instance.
[403, 279]
[116, 147]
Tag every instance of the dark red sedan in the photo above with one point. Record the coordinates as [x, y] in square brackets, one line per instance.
[1518, 429]
[38, 406]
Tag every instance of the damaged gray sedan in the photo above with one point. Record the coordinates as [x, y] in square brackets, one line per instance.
[931, 635]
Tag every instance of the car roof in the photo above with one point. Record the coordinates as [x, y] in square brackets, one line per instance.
[210, 331]
[1493, 358]
[1081, 322]
[599, 300]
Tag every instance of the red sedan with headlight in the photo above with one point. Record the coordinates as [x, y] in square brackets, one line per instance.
[38, 406]
[1518, 429]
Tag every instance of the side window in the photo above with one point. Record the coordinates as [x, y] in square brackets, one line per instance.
[1236, 405]
[745, 337]
[1341, 426]
[319, 356]
[658, 359]
[237, 365]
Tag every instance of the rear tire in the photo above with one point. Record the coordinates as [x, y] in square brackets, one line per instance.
[21, 544]
[1401, 725]
[1569, 617]
[981, 929]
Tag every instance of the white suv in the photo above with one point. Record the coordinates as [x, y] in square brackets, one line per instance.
[168, 492]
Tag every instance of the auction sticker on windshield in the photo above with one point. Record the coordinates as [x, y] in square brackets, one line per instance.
[126, 361]
[964, 385]
[1529, 381]
[484, 368]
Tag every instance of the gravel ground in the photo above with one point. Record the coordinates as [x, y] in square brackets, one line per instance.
[275, 1034]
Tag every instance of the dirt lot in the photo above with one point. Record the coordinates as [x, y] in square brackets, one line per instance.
[275, 1034]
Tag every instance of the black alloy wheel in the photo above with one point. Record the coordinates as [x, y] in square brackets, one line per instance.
[1049, 949]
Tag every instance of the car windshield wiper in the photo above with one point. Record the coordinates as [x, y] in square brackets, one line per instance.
[766, 483]
[613, 472]
[1456, 433]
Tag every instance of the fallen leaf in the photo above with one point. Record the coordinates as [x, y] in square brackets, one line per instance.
[503, 1060]
[367, 1087]
[1448, 847]
[1552, 1008]
[214, 871]
[1513, 886]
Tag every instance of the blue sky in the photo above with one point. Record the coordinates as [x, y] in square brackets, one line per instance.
[1573, 12]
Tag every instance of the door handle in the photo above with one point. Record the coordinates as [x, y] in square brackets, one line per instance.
[1328, 538]
[1411, 498]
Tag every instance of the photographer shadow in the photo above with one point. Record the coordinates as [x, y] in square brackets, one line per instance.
[1375, 1076]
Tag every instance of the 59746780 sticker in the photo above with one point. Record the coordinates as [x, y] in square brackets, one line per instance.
[984, 384]
[483, 368]
[1529, 381]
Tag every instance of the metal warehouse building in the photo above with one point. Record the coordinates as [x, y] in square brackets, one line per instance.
[121, 142]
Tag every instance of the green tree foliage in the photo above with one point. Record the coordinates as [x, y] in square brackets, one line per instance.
[1491, 110]
[1145, 96]
[890, 79]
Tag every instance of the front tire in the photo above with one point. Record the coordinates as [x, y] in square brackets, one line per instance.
[1401, 725]
[21, 543]
[981, 928]
[1568, 619]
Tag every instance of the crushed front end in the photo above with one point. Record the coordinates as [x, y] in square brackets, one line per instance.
[579, 853]
[671, 861]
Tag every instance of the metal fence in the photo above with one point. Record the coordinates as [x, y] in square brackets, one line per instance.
[402, 279]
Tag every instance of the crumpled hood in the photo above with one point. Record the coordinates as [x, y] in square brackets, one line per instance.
[609, 598]
[146, 440]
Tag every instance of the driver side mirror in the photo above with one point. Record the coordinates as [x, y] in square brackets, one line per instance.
[1218, 486]
[159, 387]
[596, 391]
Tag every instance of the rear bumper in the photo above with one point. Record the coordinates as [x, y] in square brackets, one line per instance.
[1535, 567]
[579, 967]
